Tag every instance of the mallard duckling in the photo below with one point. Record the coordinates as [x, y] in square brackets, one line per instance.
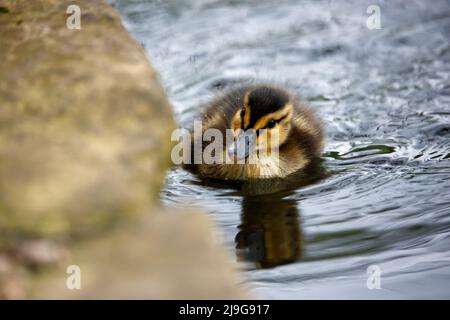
[291, 133]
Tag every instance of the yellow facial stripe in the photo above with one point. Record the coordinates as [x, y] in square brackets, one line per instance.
[247, 112]
[262, 122]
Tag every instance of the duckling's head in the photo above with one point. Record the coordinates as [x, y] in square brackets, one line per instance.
[262, 122]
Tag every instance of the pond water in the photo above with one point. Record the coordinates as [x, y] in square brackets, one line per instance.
[384, 96]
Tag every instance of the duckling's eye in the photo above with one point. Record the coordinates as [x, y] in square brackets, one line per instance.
[271, 123]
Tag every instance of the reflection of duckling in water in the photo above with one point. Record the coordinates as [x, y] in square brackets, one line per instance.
[286, 123]
[270, 233]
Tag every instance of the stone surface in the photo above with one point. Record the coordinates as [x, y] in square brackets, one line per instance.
[84, 123]
[84, 144]
[12, 279]
[170, 255]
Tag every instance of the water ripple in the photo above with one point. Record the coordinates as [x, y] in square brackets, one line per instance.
[384, 96]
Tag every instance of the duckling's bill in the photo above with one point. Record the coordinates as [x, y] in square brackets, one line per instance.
[243, 146]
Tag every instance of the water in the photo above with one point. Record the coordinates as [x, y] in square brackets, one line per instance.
[384, 96]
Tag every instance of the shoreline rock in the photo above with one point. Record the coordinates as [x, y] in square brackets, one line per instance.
[84, 145]
[81, 111]
[169, 255]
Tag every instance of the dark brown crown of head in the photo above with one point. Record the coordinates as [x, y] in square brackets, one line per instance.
[264, 100]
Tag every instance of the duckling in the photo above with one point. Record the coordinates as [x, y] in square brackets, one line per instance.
[260, 117]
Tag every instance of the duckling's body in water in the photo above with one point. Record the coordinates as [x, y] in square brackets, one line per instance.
[291, 132]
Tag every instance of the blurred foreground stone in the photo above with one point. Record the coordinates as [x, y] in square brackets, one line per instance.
[172, 255]
[84, 144]
[84, 122]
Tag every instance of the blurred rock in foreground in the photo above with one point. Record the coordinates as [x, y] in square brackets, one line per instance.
[84, 122]
[84, 143]
[172, 255]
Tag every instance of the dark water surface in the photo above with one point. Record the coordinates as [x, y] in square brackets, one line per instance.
[384, 96]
